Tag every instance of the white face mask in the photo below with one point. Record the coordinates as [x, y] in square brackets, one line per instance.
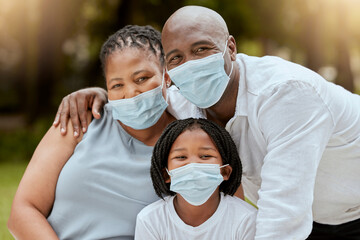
[196, 182]
[141, 111]
[202, 81]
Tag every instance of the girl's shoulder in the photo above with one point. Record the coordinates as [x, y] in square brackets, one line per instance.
[237, 204]
[157, 208]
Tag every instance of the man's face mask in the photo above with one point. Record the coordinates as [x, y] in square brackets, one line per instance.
[202, 81]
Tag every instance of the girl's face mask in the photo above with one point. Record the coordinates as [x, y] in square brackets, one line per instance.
[196, 182]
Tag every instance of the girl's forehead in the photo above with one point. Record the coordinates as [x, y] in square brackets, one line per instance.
[194, 135]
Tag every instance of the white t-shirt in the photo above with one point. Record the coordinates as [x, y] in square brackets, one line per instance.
[233, 219]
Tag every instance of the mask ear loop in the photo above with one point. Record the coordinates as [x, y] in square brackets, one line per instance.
[232, 63]
[168, 172]
[225, 48]
[162, 84]
[224, 165]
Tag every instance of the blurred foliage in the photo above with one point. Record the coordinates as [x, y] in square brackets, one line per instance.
[50, 48]
[19, 144]
[10, 175]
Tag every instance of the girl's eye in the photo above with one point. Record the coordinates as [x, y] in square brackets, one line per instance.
[205, 156]
[180, 157]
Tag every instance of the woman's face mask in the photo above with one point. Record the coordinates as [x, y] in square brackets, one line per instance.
[141, 111]
[134, 88]
[202, 81]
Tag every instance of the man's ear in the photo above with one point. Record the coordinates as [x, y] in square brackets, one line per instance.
[166, 176]
[226, 172]
[232, 47]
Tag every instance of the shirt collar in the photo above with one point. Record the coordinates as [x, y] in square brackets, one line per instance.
[241, 101]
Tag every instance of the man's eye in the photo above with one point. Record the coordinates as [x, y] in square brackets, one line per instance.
[201, 49]
[142, 79]
[174, 60]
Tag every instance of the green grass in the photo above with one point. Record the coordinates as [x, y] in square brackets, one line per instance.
[10, 175]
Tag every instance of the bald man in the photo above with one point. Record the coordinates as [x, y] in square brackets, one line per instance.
[298, 135]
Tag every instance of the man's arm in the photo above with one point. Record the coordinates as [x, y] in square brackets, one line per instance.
[296, 125]
[76, 105]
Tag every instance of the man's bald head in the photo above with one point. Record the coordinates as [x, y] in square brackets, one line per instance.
[196, 18]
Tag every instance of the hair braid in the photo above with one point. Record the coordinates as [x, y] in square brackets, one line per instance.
[220, 137]
[133, 36]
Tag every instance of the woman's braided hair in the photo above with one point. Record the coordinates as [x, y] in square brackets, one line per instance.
[143, 37]
[219, 136]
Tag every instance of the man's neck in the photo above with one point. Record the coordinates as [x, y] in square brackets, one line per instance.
[225, 108]
[196, 215]
[150, 135]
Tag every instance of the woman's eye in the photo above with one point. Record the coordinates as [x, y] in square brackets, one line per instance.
[116, 86]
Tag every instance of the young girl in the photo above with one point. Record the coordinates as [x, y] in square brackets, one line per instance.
[196, 166]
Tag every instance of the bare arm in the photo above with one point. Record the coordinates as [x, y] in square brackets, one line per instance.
[76, 105]
[36, 192]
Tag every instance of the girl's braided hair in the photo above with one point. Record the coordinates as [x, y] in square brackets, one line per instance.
[219, 136]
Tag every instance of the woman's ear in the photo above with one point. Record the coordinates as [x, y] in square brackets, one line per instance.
[167, 79]
[166, 176]
[226, 172]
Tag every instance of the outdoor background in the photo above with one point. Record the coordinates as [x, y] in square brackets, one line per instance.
[49, 48]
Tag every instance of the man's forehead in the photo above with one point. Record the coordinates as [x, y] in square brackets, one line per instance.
[191, 34]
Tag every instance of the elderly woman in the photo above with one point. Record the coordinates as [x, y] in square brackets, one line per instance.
[93, 186]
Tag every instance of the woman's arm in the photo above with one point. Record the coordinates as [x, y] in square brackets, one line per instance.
[36, 192]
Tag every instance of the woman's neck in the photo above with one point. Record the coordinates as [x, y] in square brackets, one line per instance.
[150, 135]
[196, 215]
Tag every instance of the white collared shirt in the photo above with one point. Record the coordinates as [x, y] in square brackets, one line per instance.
[298, 137]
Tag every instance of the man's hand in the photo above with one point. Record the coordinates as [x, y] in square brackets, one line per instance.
[76, 105]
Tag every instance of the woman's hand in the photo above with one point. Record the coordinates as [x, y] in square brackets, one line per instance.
[76, 105]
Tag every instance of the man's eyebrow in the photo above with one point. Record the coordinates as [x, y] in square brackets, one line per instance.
[202, 42]
[171, 52]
